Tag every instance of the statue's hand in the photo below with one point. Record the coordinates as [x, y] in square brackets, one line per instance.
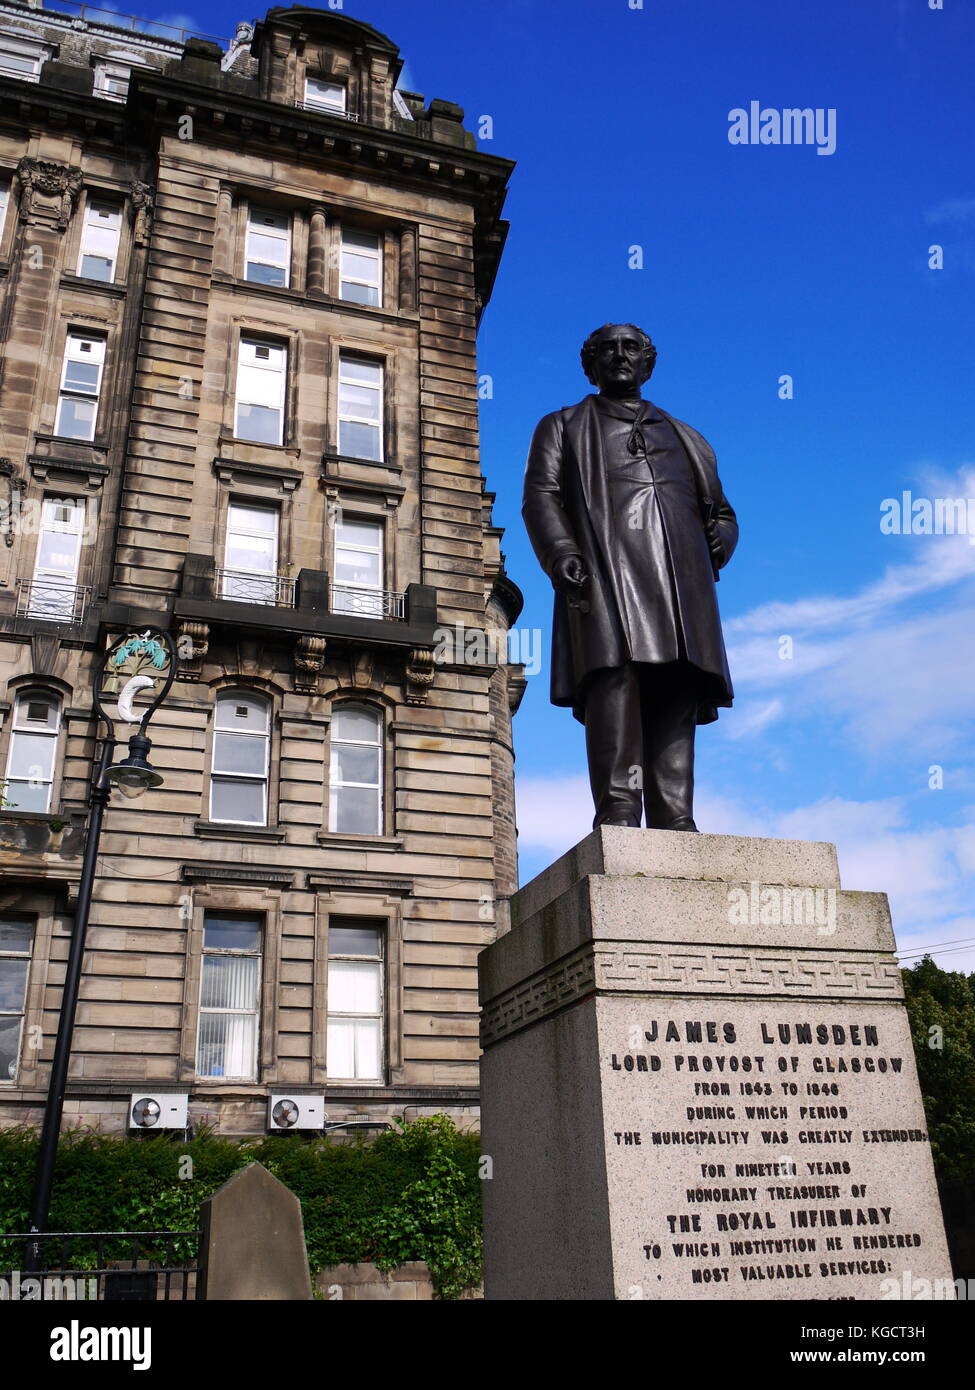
[569, 575]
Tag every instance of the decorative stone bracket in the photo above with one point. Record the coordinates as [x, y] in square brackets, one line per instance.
[418, 676]
[192, 645]
[309, 663]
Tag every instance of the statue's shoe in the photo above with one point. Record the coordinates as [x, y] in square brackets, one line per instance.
[683, 823]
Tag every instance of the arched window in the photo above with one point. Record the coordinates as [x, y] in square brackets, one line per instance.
[33, 751]
[356, 773]
[239, 768]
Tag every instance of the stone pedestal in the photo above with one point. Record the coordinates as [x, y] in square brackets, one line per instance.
[698, 1081]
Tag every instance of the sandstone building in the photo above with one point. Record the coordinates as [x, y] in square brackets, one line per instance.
[239, 292]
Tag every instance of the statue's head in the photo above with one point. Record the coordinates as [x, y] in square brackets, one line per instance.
[618, 358]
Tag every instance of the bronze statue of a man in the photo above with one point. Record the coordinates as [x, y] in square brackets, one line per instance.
[628, 519]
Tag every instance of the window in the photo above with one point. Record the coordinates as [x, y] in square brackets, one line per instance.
[324, 96]
[250, 572]
[112, 80]
[354, 1038]
[54, 588]
[362, 267]
[230, 987]
[239, 768]
[16, 937]
[81, 384]
[262, 370]
[100, 240]
[355, 775]
[33, 753]
[360, 407]
[22, 59]
[358, 580]
[268, 254]
[4, 201]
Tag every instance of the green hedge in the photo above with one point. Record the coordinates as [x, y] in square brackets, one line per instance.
[412, 1193]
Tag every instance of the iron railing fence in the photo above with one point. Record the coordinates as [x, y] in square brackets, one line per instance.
[52, 601]
[247, 587]
[368, 603]
[137, 24]
[326, 110]
[102, 1266]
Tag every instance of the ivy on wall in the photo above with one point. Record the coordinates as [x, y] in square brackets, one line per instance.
[412, 1193]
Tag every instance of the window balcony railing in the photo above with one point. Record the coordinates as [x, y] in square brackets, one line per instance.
[367, 603]
[326, 110]
[152, 28]
[242, 586]
[52, 601]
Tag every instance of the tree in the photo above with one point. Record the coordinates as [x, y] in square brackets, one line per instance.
[941, 1009]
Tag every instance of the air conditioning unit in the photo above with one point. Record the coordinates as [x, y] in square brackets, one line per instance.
[155, 1110]
[296, 1112]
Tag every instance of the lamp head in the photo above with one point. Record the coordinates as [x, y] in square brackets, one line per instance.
[134, 775]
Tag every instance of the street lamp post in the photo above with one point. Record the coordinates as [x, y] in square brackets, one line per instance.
[153, 649]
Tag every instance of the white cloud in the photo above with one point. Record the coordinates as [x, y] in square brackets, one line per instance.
[755, 718]
[952, 210]
[887, 673]
[554, 813]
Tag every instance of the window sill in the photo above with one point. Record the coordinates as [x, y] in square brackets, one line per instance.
[230, 830]
[114, 288]
[213, 1086]
[343, 841]
[239, 460]
[331, 457]
[289, 294]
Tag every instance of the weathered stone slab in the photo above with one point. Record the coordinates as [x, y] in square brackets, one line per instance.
[682, 1100]
[253, 1240]
[721, 858]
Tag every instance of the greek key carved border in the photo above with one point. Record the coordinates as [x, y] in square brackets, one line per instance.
[618, 967]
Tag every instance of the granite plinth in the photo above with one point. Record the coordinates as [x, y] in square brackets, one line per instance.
[698, 1081]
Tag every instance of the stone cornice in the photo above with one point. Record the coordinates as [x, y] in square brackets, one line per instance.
[156, 102]
[165, 98]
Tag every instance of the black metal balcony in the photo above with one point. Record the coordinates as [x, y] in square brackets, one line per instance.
[311, 606]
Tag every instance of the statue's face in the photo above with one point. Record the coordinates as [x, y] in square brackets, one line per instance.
[621, 362]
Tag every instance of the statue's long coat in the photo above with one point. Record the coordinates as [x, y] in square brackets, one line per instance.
[567, 510]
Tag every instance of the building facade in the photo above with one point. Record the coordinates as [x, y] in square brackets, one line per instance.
[239, 293]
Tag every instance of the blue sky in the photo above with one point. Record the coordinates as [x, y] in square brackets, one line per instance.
[758, 261]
